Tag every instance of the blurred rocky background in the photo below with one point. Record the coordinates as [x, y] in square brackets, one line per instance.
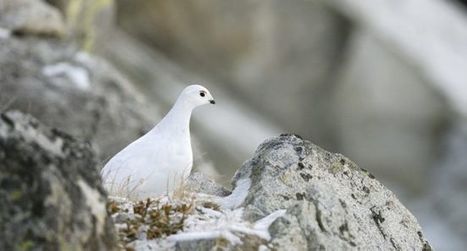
[383, 82]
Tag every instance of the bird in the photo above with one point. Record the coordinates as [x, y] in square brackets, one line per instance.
[160, 161]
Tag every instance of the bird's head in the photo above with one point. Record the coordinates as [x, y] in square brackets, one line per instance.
[197, 95]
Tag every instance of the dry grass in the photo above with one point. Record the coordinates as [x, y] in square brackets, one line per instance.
[150, 218]
[129, 187]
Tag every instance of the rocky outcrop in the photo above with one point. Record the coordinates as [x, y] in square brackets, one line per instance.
[292, 195]
[331, 203]
[199, 183]
[50, 190]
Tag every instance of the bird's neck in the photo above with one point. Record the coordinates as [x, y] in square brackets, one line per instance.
[177, 119]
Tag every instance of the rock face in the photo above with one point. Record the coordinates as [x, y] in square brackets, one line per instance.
[292, 195]
[50, 190]
[331, 203]
[199, 183]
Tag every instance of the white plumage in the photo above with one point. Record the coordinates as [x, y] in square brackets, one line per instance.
[160, 161]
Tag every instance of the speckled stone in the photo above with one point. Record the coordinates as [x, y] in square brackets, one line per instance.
[50, 190]
[331, 202]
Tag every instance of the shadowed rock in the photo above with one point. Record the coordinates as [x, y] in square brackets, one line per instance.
[50, 190]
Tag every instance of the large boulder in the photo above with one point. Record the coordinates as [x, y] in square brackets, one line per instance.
[331, 203]
[50, 190]
[292, 195]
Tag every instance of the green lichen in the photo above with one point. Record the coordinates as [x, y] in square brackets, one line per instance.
[16, 195]
[25, 245]
[161, 219]
[336, 167]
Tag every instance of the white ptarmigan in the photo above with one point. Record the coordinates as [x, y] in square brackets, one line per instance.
[160, 161]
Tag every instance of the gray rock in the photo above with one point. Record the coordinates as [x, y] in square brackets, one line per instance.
[331, 203]
[31, 17]
[292, 195]
[73, 91]
[50, 190]
[198, 182]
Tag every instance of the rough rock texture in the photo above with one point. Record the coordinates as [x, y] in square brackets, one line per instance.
[50, 190]
[292, 195]
[199, 183]
[73, 91]
[331, 203]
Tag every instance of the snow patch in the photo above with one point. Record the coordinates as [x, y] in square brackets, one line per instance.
[238, 195]
[204, 221]
[4, 33]
[78, 75]
[228, 225]
[263, 224]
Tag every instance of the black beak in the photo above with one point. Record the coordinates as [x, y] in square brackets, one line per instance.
[212, 101]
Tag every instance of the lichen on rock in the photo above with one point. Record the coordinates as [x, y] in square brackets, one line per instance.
[50, 190]
[291, 195]
[330, 201]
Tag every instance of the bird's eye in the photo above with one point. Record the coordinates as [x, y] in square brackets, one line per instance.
[202, 94]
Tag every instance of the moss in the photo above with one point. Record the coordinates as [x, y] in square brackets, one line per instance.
[16, 195]
[26, 245]
[370, 175]
[161, 219]
[336, 167]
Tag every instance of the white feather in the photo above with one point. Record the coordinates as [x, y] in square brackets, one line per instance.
[160, 161]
